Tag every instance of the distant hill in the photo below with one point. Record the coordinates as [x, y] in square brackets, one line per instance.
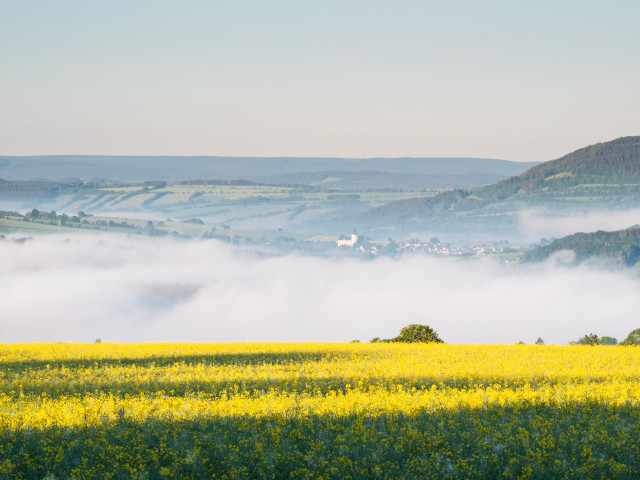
[622, 246]
[610, 163]
[341, 173]
[363, 180]
[602, 175]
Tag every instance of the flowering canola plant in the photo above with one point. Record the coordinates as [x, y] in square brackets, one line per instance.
[318, 410]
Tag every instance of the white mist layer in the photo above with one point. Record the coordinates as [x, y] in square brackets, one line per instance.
[537, 224]
[121, 289]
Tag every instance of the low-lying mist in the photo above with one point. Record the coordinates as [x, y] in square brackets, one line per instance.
[132, 289]
[535, 224]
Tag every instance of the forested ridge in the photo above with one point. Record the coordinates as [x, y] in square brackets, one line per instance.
[601, 172]
[610, 163]
[622, 246]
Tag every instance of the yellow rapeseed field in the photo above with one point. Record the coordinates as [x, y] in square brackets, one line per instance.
[318, 410]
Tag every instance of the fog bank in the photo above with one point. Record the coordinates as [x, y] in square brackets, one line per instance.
[140, 289]
[535, 224]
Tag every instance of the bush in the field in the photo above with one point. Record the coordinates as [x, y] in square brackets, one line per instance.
[415, 333]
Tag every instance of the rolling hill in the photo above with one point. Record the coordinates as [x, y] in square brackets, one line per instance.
[611, 163]
[337, 173]
[604, 175]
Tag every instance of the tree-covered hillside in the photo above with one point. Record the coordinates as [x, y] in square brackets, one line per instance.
[610, 163]
[622, 246]
[442, 203]
[605, 175]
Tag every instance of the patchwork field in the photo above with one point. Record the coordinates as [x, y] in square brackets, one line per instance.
[275, 206]
[317, 410]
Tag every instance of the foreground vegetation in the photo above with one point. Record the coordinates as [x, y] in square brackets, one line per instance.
[383, 410]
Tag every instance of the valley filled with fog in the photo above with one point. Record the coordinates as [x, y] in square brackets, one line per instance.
[84, 287]
[331, 251]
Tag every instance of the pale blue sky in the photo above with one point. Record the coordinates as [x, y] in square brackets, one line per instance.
[367, 78]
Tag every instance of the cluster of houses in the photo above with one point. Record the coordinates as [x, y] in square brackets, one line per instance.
[446, 249]
[432, 247]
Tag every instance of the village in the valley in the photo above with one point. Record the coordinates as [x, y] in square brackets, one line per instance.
[434, 246]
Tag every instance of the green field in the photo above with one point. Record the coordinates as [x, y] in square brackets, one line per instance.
[97, 225]
[251, 208]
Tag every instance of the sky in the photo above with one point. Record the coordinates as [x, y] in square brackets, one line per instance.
[138, 289]
[523, 81]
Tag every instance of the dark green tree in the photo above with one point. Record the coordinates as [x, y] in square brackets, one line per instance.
[608, 340]
[633, 338]
[415, 333]
[591, 339]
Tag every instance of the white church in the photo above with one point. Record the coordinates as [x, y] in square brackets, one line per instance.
[349, 242]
